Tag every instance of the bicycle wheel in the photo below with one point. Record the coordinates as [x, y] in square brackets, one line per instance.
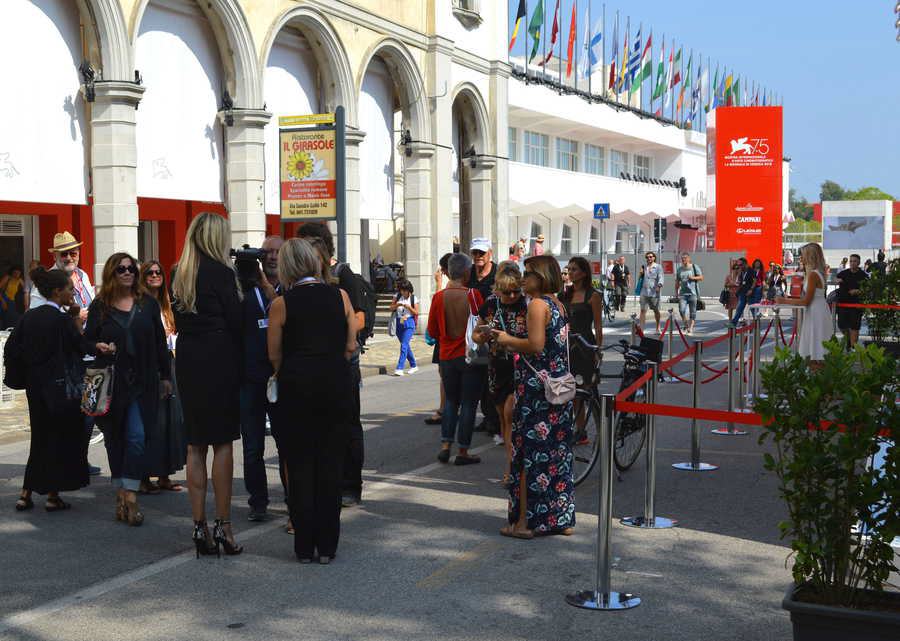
[628, 436]
[586, 441]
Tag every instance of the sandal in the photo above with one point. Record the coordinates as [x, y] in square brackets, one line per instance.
[148, 487]
[56, 504]
[434, 419]
[24, 503]
[169, 486]
[511, 532]
[289, 528]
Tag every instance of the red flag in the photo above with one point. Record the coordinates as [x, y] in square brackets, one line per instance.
[571, 50]
[554, 33]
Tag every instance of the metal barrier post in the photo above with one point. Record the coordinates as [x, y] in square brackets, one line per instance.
[742, 366]
[729, 430]
[671, 323]
[757, 354]
[695, 465]
[778, 327]
[649, 520]
[602, 597]
[633, 326]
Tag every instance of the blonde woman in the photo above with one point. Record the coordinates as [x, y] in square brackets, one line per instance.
[816, 326]
[206, 302]
[310, 354]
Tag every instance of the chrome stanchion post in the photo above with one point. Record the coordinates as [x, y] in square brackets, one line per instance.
[730, 429]
[695, 465]
[757, 354]
[602, 597]
[742, 366]
[650, 520]
[778, 327]
[633, 327]
[671, 322]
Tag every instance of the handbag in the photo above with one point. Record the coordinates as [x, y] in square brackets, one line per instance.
[272, 389]
[475, 354]
[639, 285]
[559, 390]
[724, 296]
[700, 305]
[97, 394]
[392, 324]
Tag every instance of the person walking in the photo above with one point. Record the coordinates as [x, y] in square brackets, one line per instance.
[584, 309]
[538, 249]
[447, 322]
[48, 343]
[207, 303]
[310, 356]
[541, 487]
[166, 440]
[621, 282]
[687, 289]
[407, 312]
[816, 327]
[651, 281]
[483, 275]
[745, 289]
[506, 310]
[731, 285]
[850, 283]
[124, 317]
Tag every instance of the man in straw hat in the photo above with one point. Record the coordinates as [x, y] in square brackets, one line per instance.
[538, 246]
[66, 253]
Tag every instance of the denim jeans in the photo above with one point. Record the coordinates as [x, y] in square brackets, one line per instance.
[687, 306]
[462, 389]
[405, 331]
[750, 298]
[254, 406]
[126, 451]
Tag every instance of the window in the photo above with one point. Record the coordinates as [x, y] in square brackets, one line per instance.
[594, 241]
[618, 163]
[642, 166]
[565, 246]
[567, 154]
[537, 149]
[594, 161]
[513, 143]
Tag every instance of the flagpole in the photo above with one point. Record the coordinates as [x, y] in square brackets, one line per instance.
[603, 48]
[525, 53]
[559, 60]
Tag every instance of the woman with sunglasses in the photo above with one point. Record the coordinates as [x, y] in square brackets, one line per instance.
[504, 310]
[126, 319]
[167, 445]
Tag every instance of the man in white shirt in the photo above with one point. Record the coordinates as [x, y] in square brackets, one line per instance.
[66, 253]
[652, 275]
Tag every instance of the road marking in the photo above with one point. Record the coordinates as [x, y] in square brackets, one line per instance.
[26, 617]
[458, 566]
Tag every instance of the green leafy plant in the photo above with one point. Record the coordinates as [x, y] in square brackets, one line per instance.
[825, 423]
[883, 289]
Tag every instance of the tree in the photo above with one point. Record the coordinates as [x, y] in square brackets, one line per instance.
[801, 209]
[831, 191]
[867, 193]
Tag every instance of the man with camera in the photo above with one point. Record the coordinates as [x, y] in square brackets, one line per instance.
[257, 271]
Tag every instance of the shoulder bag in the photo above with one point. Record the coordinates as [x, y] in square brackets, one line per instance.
[475, 354]
[96, 397]
[561, 389]
[700, 304]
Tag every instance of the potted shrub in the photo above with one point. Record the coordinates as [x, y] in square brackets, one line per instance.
[884, 324]
[825, 423]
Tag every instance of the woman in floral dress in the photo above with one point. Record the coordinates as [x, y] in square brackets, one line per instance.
[541, 469]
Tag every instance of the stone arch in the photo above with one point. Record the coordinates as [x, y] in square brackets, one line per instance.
[108, 45]
[408, 83]
[331, 58]
[474, 116]
[236, 48]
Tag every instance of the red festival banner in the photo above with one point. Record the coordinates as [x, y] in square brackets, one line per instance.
[744, 163]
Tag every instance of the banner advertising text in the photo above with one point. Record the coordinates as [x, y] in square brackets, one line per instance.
[308, 174]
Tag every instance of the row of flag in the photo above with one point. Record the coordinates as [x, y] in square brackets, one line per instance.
[677, 92]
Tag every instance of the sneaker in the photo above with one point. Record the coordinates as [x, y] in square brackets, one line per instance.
[498, 440]
[348, 500]
[413, 370]
[257, 515]
[397, 372]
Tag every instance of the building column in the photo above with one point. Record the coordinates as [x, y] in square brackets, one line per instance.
[481, 179]
[353, 138]
[417, 205]
[499, 114]
[114, 171]
[438, 79]
[245, 174]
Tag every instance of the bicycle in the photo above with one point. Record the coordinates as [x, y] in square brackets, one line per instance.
[609, 307]
[629, 431]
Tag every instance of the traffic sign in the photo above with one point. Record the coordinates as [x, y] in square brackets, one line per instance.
[601, 211]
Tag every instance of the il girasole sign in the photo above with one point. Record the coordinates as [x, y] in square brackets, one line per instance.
[744, 163]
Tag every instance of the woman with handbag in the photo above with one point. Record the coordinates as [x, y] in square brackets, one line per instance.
[128, 320]
[541, 485]
[310, 356]
[167, 444]
[49, 345]
[206, 300]
[404, 313]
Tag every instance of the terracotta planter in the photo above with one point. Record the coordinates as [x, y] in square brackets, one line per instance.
[813, 622]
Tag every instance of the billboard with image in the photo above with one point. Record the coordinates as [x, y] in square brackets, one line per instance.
[853, 232]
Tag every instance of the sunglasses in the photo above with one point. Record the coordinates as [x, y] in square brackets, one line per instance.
[72, 253]
[649, 256]
[121, 269]
[512, 292]
[153, 272]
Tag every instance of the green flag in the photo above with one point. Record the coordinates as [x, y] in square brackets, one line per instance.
[535, 27]
[660, 72]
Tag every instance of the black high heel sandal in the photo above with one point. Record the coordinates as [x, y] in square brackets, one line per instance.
[231, 548]
[202, 541]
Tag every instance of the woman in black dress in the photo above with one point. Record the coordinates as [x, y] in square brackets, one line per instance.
[310, 354]
[126, 319]
[49, 343]
[207, 305]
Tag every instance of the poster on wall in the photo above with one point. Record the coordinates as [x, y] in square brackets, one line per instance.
[748, 181]
[853, 232]
[308, 171]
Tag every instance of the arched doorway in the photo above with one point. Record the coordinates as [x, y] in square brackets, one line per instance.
[472, 163]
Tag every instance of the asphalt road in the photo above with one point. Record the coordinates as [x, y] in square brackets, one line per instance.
[421, 558]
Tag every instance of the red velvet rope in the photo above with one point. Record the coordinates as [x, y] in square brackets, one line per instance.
[631, 389]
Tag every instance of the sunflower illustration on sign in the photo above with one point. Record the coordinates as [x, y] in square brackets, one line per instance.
[302, 165]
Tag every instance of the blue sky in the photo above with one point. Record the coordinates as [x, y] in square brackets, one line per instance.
[836, 65]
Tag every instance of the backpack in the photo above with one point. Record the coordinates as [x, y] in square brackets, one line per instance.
[14, 366]
[367, 300]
